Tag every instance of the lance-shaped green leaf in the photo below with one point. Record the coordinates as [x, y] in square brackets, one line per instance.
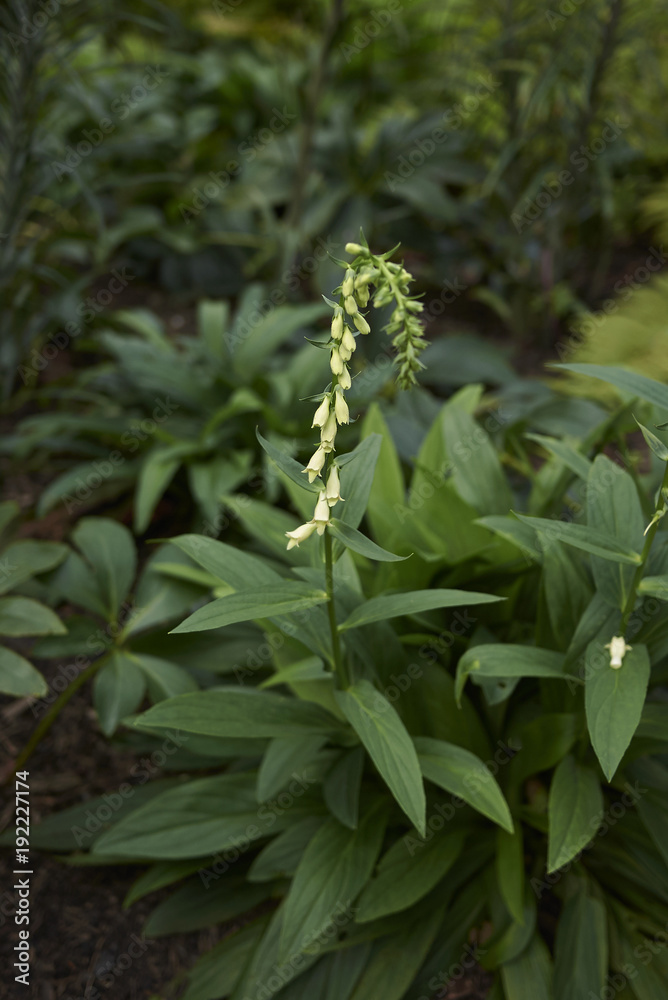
[581, 950]
[583, 537]
[461, 773]
[412, 602]
[235, 712]
[566, 453]
[614, 699]
[631, 382]
[357, 472]
[613, 509]
[22, 616]
[18, 677]
[407, 872]
[355, 540]
[529, 977]
[653, 442]
[292, 469]
[261, 602]
[507, 660]
[654, 586]
[118, 690]
[575, 811]
[334, 869]
[390, 747]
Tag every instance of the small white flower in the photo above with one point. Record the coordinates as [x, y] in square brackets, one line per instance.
[348, 285]
[337, 326]
[350, 305]
[618, 649]
[361, 324]
[316, 462]
[345, 353]
[336, 362]
[341, 408]
[328, 434]
[300, 534]
[333, 491]
[321, 513]
[321, 414]
[344, 378]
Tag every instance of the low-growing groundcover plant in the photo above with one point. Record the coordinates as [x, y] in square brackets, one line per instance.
[451, 736]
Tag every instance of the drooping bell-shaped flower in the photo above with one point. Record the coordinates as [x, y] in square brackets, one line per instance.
[618, 649]
[336, 362]
[350, 305]
[316, 462]
[321, 513]
[341, 410]
[321, 414]
[333, 489]
[337, 325]
[344, 378]
[348, 285]
[361, 323]
[300, 534]
[328, 434]
[348, 341]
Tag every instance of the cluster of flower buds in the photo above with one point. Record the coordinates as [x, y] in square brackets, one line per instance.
[391, 283]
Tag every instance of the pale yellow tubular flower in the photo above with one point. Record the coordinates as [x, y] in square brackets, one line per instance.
[345, 353]
[321, 513]
[348, 283]
[316, 462]
[321, 414]
[348, 340]
[354, 248]
[328, 434]
[333, 490]
[336, 362]
[337, 326]
[300, 534]
[344, 378]
[361, 324]
[341, 407]
[350, 305]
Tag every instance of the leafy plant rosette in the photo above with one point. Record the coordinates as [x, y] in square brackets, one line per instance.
[416, 788]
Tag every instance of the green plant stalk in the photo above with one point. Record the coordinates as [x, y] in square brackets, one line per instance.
[644, 555]
[42, 729]
[337, 657]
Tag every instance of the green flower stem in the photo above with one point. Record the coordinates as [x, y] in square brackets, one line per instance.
[59, 704]
[339, 667]
[644, 555]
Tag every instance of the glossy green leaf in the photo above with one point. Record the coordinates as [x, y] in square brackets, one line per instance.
[575, 811]
[388, 488]
[461, 773]
[18, 677]
[630, 382]
[581, 950]
[397, 959]
[614, 700]
[342, 785]
[510, 873]
[357, 542]
[335, 867]
[230, 565]
[507, 661]
[268, 601]
[293, 470]
[21, 616]
[27, 558]
[357, 470]
[108, 547]
[239, 712]
[654, 586]
[529, 977]
[387, 742]
[156, 473]
[582, 537]
[412, 602]
[281, 857]
[164, 679]
[282, 759]
[566, 453]
[407, 872]
[613, 509]
[474, 464]
[653, 442]
[118, 690]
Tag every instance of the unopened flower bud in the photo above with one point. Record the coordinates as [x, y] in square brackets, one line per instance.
[336, 362]
[355, 248]
[362, 295]
[361, 324]
[341, 408]
[351, 305]
[344, 378]
[618, 649]
[337, 326]
[348, 283]
[328, 433]
[300, 534]
[348, 341]
[316, 462]
[321, 414]
[333, 491]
